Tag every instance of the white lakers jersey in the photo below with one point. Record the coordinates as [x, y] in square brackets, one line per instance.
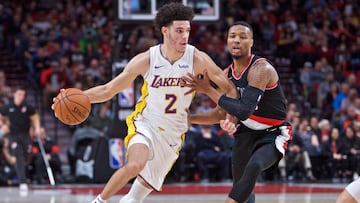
[163, 103]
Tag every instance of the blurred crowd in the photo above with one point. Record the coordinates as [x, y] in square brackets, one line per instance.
[73, 43]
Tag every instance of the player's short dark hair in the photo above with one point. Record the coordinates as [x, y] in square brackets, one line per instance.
[243, 23]
[170, 12]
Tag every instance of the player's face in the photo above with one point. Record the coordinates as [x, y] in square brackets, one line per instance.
[239, 41]
[177, 34]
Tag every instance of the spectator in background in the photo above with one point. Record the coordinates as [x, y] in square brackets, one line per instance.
[88, 39]
[335, 159]
[40, 62]
[347, 119]
[325, 127]
[324, 88]
[285, 42]
[65, 40]
[327, 102]
[352, 151]
[30, 53]
[317, 75]
[100, 120]
[305, 147]
[52, 154]
[54, 79]
[94, 70]
[349, 100]
[341, 95]
[342, 56]
[324, 50]
[353, 82]
[205, 105]
[305, 78]
[7, 159]
[147, 39]
[76, 56]
[91, 53]
[355, 55]
[210, 151]
[314, 125]
[315, 147]
[305, 49]
[268, 31]
[5, 90]
[357, 106]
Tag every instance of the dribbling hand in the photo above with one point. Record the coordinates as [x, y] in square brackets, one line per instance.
[52, 105]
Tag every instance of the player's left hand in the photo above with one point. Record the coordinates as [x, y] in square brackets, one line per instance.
[200, 83]
[228, 126]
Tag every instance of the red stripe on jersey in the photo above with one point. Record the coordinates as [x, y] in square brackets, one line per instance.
[238, 76]
[272, 86]
[226, 70]
[267, 121]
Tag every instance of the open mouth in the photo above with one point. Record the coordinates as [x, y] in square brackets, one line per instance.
[236, 50]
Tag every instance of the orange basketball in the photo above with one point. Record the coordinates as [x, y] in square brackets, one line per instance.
[72, 106]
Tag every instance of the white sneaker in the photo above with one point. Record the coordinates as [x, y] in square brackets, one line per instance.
[23, 190]
[98, 199]
[356, 176]
[23, 187]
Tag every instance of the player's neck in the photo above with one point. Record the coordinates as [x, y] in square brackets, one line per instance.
[241, 63]
[170, 54]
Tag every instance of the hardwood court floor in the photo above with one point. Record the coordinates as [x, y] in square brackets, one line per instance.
[178, 193]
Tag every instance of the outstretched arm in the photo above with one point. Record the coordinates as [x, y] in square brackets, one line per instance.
[136, 66]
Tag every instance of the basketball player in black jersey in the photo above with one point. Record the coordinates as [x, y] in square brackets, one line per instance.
[259, 127]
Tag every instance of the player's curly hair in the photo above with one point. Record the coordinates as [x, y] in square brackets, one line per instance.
[170, 12]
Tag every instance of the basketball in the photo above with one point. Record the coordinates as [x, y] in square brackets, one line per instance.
[71, 106]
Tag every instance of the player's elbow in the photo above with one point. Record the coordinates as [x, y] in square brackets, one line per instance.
[243, 113]
[242, 109]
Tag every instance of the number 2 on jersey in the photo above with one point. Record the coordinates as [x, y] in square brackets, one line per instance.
[170, 107]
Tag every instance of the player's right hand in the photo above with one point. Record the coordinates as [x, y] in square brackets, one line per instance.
[52, 105]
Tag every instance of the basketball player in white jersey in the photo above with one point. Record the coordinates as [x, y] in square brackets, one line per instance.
[351, 193]
[156, 128]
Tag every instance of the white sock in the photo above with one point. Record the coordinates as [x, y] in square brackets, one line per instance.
[99, 200]
[137, 193]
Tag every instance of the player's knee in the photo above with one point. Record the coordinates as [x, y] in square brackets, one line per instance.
[254, 166]
[344, 197]
[134, 168]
